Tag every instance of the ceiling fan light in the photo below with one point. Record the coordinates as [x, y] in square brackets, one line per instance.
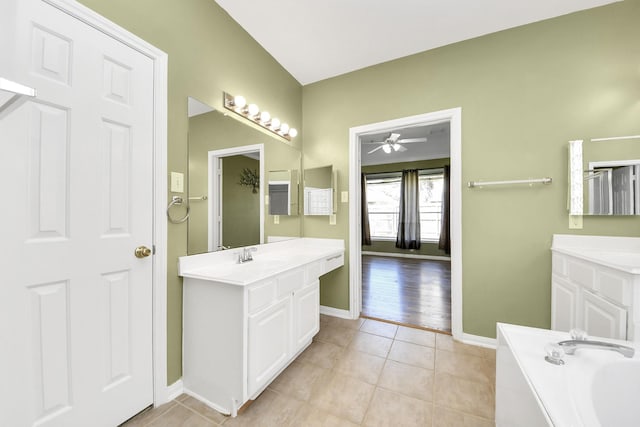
[386, 148]
[396, 146]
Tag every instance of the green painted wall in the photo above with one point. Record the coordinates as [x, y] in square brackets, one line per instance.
[208, 53]
[388, 246]
[241, 207]
[524, 93]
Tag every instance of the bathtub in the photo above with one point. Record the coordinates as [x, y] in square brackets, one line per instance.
[594, 388]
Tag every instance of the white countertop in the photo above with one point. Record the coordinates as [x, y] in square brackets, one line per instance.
[269, 260]
[620, 253]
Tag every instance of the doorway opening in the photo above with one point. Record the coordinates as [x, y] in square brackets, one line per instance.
[413, 281]
[226, 168]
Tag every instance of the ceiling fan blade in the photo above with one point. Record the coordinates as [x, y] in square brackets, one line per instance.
[375, 149]
[400, 148]
[410, 140]
[373, 142]
[393, 137]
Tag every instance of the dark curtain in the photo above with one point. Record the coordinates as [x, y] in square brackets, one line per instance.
[364, 211]
[445, 227]
[409, 218]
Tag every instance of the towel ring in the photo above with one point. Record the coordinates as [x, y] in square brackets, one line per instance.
[177, 201]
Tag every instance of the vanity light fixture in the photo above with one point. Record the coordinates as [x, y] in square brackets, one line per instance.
[238, 104]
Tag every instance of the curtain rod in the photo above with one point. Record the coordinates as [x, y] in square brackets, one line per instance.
[546, 180]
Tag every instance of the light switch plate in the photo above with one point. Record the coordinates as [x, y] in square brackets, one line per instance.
[332, 219]
[575, 222]
[177, 182]
[345, 197]
[276, 219]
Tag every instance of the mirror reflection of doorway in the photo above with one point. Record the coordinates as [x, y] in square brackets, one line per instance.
[240, 219]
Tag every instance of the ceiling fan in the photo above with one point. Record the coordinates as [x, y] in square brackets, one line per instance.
[394, 143]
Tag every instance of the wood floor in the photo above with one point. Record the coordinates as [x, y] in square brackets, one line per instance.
[405, 290]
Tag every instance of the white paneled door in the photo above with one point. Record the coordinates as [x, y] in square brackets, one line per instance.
[76, 165]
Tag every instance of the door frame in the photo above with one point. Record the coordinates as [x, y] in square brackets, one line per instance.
[161, 393]
[454, 117]
[214, 178]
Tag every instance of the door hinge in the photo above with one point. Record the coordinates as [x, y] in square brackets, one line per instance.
[153, 249]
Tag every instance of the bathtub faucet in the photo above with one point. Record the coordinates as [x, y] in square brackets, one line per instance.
[570, 346]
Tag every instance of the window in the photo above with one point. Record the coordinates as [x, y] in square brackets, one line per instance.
[383, 202]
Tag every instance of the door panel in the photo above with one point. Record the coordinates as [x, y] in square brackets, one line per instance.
[77, 164]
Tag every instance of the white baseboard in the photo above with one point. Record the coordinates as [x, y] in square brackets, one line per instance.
[479, 341]
[175, 390]
[208, 403]
[415, 256]
[335, 312]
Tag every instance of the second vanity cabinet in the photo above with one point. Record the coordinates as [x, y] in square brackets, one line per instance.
[594, 287]
[240, 333]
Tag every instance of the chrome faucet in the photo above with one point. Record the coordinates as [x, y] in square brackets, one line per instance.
[245, 255]
[570, 346]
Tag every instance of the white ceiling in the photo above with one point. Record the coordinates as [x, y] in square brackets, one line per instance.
[315, 40]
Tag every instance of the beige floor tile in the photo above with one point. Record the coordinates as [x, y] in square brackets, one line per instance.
[390, 409]
[467, 366]
[345, 323]
[323, 354]
[336, 335]
[343, 396]
[298, 380]
[362, 366]
[181, 416]
[379, 328]
[202, 409]
[372, 344]
[416, 336]
[443, 417]
[270, 409]
[470, 397]
[408, 380]
[412, 354]
[488, 353]
[149, 415]
[309, 416]
[446, 342]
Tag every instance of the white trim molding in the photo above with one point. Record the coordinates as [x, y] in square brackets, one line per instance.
[335, 312]
[454, 117]
[160, 61]
[479, 341]
[175, 390]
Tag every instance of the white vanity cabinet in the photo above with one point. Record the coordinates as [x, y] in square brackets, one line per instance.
[595, 285]
[244, 326]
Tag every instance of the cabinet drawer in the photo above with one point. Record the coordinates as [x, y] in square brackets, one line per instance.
[333, 262]
[290, 281]
[314, 271]
[261, 295]
[581, 273]
[615, 286]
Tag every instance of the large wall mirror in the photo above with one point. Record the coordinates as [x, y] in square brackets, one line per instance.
[227, 182]
[605, 176]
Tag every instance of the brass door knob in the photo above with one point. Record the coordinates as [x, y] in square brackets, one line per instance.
[142, 252]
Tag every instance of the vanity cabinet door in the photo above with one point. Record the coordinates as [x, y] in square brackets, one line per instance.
[268, 343]
[564, 302]
[602, 318]
[306, 306]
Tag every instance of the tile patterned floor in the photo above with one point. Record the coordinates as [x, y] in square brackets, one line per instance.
[362, 373]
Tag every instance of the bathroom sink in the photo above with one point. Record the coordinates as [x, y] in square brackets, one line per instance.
[245, 272]
[614, 393]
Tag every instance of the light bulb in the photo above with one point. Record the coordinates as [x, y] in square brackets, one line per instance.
[284, 128]
[265, 117]
[386, 148]
[275, 123]
[253, 110]
[293, 132]
[239, 101]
